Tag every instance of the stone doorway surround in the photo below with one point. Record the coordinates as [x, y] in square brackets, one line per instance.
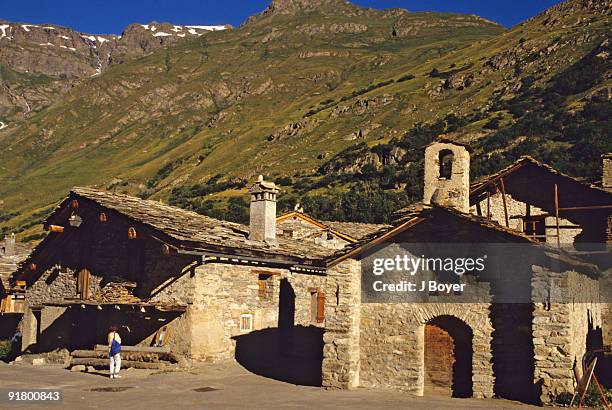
[395, 335]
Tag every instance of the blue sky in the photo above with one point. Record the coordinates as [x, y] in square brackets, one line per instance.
[111, 16]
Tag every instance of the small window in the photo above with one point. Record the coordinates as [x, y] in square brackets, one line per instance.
[446, 163]
[83, 284]
[317, 307]
[265, 286]
[246, 322]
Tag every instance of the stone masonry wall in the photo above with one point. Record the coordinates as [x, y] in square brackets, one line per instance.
[564, 312]
[225, 292]
[341, 357]
[518, 208]
[606, 179]
[392, 344]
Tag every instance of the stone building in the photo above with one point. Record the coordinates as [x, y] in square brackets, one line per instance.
[290, 297]
[528, 195]
[490, 343]
[329, 234]
[114, 259]
[12, 297]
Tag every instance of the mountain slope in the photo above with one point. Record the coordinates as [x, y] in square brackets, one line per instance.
[283, 95]
[39, 63]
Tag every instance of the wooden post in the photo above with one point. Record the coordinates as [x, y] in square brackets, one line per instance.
[503, 192]
[557, 215]
[488, 204]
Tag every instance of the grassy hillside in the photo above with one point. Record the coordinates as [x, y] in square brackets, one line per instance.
[290, 90]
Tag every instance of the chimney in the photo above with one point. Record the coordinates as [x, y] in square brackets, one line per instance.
[447, 175]
[606, 178]
[263, 211]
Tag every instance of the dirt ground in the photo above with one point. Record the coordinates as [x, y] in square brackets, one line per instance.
[209, 386]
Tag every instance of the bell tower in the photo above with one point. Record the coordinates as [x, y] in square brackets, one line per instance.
[447, 175]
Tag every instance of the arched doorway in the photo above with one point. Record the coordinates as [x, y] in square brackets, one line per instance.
[448, 357]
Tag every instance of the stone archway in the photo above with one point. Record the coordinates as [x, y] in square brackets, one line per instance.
[448, 356]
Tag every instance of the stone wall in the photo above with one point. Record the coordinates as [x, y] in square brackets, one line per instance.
[606, 179]
[225, 292]
[56, 284]
[341, 361]
[606, 319]
[392, 344]
[564, 319]
[518, 208]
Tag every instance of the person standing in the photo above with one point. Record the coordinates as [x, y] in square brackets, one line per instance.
[114, 352]
[16, 345]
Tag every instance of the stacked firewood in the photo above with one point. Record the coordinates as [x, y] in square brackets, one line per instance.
[116, 293]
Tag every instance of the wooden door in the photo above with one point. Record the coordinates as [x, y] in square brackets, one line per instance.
[439, 361]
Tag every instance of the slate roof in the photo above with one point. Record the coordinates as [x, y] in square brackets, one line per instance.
[9, 264]
[419, 212]
[353, 231]
[356, 230]
[527, 160]
[195, 231]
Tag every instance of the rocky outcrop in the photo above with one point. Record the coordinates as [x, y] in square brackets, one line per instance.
[352, 164]
[292, 7]
[335, 28]
[362, 105]
[294, 129]
[412, 25]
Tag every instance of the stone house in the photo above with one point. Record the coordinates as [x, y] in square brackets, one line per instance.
[329, 234]
[12, 298]
[289, 305]
[488, 344]
[114, 259]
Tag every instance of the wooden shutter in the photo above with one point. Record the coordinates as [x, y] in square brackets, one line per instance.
[320, 307]
[262, 288]
[8, 304]
[83, 283]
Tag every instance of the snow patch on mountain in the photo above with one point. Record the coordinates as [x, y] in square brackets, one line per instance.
[3, 28]
[208, 28]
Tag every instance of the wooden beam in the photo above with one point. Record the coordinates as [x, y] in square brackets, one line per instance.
[584, 208]
[103, 363]
[503, 192]
[557, 214]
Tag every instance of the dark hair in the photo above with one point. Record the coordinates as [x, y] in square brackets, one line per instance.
[113, 329]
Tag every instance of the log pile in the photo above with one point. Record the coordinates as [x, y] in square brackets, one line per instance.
[137, 358]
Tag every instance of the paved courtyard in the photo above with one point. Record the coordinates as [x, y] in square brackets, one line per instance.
[210, 386]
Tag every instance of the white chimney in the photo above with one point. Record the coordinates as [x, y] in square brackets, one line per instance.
[447, 175]
[263, 211]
